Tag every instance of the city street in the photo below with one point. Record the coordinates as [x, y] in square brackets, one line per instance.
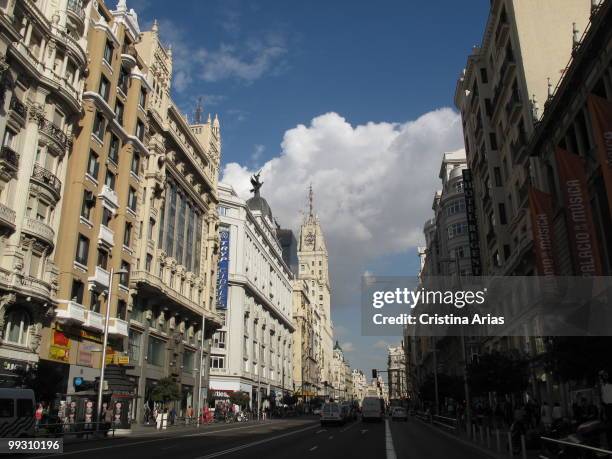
[298, 438]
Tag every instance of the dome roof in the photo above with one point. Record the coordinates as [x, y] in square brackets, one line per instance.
[260, 204]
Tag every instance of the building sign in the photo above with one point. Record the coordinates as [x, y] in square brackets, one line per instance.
[223, 271]
[601, 116]
[221, 394]
[470, 211]
[60, 347]
[540, 208]
[578, 215]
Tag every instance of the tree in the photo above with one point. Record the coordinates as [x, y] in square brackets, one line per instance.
[289, 399]
[448, 386]
[498, 372]
[165, 391]
[240, 398]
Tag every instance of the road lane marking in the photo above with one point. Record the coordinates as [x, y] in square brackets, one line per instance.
[319, 431]
[389, 441]
[255, 443]
[313, 448]
[347, 428]
[363, 431]
[142, 442]
[331, 437]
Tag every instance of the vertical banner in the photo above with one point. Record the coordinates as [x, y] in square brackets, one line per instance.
[540, 210]
[601, 117]
[223, 271]
[470, 211]
[579, 218]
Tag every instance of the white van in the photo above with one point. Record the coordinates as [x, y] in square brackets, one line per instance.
[372, 409]
[16, 413]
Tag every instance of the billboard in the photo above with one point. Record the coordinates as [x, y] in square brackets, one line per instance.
[223, 268]
[470, 211]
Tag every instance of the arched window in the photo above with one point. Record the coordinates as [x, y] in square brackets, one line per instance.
[17, 327]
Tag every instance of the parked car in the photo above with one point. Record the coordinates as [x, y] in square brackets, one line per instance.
[399, 413]
[332, 413]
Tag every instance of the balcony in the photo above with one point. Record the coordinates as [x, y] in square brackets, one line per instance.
[127, 60]
[513, 106]
[39, 230]
[47, 179]
[9, 159]
[100, 280]
[55, 134]
[109, 196]
[117, 327]
[33, 286]
[7, 217]
[106, 236]
[70, 311]
[501, 33]
[94, 321]
[76, 13]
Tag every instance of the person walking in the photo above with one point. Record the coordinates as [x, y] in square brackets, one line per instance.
[108, 419]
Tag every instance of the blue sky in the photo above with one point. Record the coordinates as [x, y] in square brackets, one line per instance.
[302, 85]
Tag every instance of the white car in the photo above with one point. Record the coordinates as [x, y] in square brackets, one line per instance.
[399, 412]
[317, 411]
[372, 409]
[331, 413]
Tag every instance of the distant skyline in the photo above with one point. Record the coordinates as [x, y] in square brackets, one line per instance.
[353, 97]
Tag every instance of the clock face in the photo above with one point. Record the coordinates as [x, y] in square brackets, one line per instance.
[310, 238]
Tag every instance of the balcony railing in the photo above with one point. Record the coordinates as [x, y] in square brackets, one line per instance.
[39, 229]
[9, 157]
[70, 311]
[106, 236]
[94, 320]
[101, 278]
[47, 178]
[7, 216]
[55, 133]
[513, 105]
[117, 327]
[18, 107]
[76, 8]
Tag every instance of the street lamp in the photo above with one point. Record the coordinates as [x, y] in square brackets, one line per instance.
[120, 272]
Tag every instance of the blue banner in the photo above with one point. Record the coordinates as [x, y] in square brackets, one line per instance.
[223, 270]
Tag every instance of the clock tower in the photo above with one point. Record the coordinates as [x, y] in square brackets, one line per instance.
[313, 268]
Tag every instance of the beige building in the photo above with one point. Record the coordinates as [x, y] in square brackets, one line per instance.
[306, 342]
[42, 63]
[396, 373]
[314, 269]
[525, 47]
[359, 385]
[174, 277]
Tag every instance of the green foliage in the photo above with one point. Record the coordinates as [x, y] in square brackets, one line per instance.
[240, 398]
[448, 386]
[165, 391]
[289, 399]
[498, 372]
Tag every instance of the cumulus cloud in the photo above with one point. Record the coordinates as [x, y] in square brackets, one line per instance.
[373, 185]
[347, 347]
[381, 344]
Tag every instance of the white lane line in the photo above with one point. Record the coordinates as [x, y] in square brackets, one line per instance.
[121, 445]
[331, 437]
[319, 431]
[389, 441]
[313, 448]
[347, 428]
[255, 443]
[363, 431]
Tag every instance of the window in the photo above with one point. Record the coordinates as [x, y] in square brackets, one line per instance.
[142, 99]
[455, 207]
[25, 408]
[155, 352]
[113, 151]
[483, 75]
[107, 216]
[148, 262]
[87, 204]
[121, 309]
[93, 165]
[140, 130]
[82, 250]
[78, 288]
[222, 210]
[134, 346]
[7, 408]
[459, 187]
[137, 313]
[108, 52]
[135, 163]
[188, 360]
[498, 177]
[102, 261]
[99, 126]
[151, 228]
[119, 109]
[493, 140]
[109, 180]
[124, 279]
[104, 89]
[502, 213]
[123, 81]
[132, 199]
[17, 327]
[219, 340]
[456, 229]
[217, 362]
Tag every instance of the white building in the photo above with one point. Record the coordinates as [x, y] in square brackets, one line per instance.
[252, 352]
[360, 384]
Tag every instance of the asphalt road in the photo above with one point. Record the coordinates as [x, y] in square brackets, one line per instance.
[291, 438]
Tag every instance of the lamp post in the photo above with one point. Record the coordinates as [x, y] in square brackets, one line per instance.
[201, 372]
[105, 340]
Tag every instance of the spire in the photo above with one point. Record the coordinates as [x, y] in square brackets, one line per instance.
[122, 5]
[198, 112]
[216, 121]
[310, 201]
[155, 27]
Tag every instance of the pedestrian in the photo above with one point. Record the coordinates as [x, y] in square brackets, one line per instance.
[38, 415]
[189, 415]
[158, 419]
[172, 415]
[108, 419]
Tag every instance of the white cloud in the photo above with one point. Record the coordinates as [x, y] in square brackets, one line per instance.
[373, 185]
[381, 344]
[258, 151]
[348, 347]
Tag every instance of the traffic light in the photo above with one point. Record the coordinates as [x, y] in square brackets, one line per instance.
[374, 374]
